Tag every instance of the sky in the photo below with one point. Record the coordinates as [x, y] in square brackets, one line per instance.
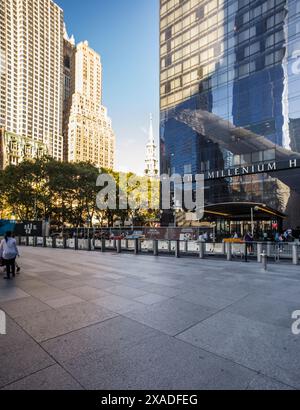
[126, 35]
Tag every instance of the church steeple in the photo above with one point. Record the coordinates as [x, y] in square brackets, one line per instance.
[151, 162]
[151, 135]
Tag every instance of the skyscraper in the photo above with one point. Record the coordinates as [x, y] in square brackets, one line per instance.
[31, 80]
[69, 86]
[90, 134]
[230, 94]
[151, 162]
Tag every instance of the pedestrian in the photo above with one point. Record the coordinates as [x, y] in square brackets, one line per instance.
[201, 238]
[8, 253]
[249, 241]
[281, 241]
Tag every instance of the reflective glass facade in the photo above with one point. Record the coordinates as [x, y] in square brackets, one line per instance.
[230, 99]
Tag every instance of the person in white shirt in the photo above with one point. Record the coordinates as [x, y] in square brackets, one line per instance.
[201, 238]
[9, 252]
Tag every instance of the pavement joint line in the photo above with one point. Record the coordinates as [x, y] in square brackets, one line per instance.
[213, 314]
[223, 357]
[76, 330]
[28, 375]
[48, 354]
[258, 373]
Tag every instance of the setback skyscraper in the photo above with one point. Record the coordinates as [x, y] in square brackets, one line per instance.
[90, 134]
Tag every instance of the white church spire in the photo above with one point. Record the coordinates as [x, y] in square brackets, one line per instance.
[151, 162]
[151, 135]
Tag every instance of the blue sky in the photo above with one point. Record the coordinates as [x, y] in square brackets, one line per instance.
[125, 34]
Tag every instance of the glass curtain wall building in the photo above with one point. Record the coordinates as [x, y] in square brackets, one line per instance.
[230, 104]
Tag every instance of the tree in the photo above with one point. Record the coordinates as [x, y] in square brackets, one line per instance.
[64, 193]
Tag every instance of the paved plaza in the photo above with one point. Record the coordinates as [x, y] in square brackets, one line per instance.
[87, 320]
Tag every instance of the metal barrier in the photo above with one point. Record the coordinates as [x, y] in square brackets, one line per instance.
[231, 251]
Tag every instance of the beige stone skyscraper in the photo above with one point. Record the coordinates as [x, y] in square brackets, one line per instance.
[90, 134]
[31, 83]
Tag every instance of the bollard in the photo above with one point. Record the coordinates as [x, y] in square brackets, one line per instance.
[119, 246]
[44, 242]
[201, 250]
[185, 246]
[264, 259]
[53, 242]
[269, 249]
[103, 245]
[126, 244]
[76, 243]
[89, 244]
[259, 252]
[136, 246]
[35, 241]
[27, 240]
[114, 244]
[295, 254]
[65, 242]
[246, 252]
[223, 248]
[155, 247]
[229, 252]
[177, 249]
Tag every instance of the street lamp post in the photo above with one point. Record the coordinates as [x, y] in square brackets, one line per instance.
[252, 221]
[256, 208]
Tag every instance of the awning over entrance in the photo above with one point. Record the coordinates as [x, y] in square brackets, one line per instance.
[242, 211]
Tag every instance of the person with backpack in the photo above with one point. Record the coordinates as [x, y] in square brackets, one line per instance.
[8, 253]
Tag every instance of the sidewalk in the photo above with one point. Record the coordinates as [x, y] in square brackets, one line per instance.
[80, 320]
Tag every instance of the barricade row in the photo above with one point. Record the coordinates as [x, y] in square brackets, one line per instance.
[230, 251]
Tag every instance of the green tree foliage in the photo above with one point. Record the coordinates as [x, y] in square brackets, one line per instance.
[63, 193]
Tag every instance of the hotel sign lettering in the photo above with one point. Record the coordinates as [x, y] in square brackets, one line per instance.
[258, 168]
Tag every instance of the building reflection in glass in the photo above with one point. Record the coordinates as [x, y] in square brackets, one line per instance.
[230, 96]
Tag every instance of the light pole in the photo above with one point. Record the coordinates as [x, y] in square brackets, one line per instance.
[252, 221]
[214, 225]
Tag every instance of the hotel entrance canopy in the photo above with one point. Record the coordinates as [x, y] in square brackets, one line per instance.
[240, 211]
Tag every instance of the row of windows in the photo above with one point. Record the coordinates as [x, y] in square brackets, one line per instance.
[197, 17]
[203, 71]
[207, 39]
[184, 87]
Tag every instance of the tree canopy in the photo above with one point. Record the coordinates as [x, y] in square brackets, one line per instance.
[64, 193]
